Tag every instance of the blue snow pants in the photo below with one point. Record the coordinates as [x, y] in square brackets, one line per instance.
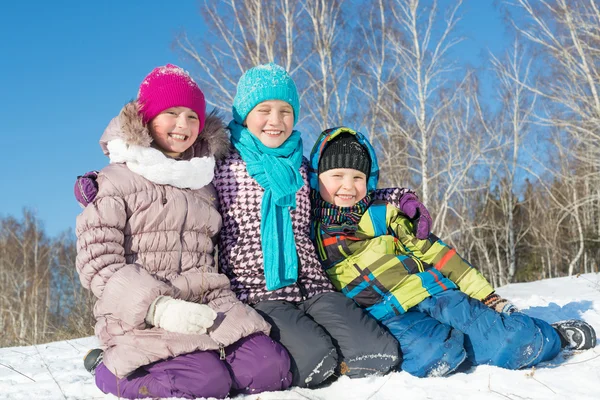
[444, 330]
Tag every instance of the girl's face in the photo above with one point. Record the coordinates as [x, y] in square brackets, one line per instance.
[343, 187]
[174, 130]
[272, 122]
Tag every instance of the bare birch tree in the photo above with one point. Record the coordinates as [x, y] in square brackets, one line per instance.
[31, 283]
[242, 34]
[302, 36]
[566, 32]
[518, 107]
[424, 68]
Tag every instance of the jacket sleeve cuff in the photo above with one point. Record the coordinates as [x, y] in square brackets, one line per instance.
[235, 320]
[199, 286]
[130, 293]
[392, 195]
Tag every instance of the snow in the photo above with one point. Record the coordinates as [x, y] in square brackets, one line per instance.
[55, 370]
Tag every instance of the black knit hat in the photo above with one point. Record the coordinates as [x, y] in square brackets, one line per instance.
[344, 151]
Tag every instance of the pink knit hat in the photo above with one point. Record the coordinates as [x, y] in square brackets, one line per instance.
[170, 86]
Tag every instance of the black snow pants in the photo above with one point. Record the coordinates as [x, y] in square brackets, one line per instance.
[329, 334]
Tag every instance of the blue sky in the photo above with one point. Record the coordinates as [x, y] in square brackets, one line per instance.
[69, 66]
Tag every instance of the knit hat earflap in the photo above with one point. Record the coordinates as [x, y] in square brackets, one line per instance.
[170, 86]
[262, 83]
[344, 151]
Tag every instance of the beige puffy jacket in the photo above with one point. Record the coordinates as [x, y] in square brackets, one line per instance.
[150, 233]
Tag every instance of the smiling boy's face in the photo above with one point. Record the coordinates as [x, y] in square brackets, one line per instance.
[272, 122]
[343, 187]
[174, 130]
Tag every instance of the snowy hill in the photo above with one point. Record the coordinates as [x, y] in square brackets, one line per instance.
[55, 370]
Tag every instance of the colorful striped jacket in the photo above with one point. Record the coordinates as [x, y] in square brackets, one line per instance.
[386, 269]
[381, 265]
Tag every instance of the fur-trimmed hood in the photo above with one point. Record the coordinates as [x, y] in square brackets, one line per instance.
[213, 140]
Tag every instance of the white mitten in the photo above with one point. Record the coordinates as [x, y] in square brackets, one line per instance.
[180, 316]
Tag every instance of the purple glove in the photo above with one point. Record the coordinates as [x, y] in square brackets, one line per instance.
[86, 188]
[416, 211]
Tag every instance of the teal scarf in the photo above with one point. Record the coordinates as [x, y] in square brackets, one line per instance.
[277, 171]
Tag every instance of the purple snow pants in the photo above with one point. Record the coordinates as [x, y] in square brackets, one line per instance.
[253, 364]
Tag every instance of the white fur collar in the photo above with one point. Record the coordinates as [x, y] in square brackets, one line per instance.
[153, 165]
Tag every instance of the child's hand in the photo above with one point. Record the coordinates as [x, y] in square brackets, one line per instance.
[416, 211]
[499, 304]
[86, 188]
[180, 316]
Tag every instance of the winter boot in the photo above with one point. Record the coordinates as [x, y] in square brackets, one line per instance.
[575, 334]
[92, 359]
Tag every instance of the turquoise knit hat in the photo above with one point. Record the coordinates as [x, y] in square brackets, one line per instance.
[262, 83]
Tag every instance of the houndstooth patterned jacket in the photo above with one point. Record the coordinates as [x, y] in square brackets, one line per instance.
[240, 252]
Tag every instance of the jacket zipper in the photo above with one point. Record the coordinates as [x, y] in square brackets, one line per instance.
[301, 287]
[181, 230]
[221, 351]
[303, 291]
[163, 194]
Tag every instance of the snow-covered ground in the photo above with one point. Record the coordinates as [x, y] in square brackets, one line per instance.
[55, 370]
